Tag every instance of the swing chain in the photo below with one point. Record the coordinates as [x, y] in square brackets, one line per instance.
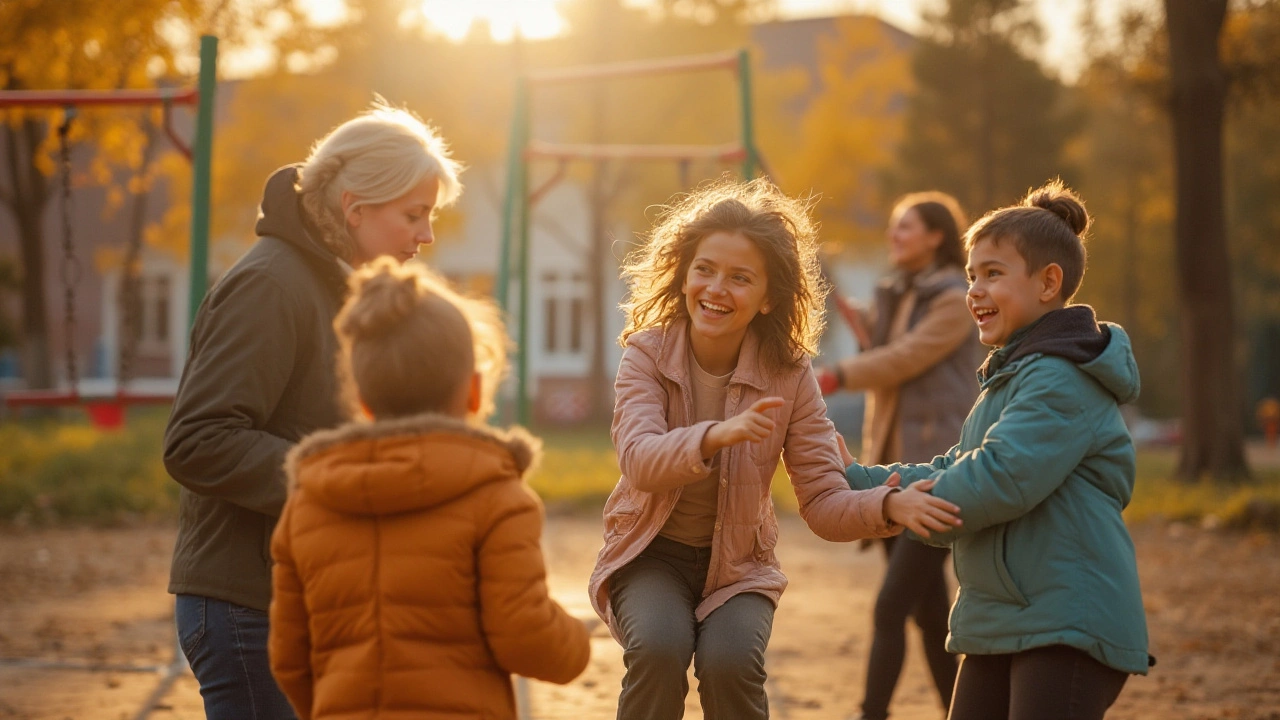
[131, 295]
[71, 269]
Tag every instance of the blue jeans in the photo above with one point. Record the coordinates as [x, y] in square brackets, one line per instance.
[226, 645]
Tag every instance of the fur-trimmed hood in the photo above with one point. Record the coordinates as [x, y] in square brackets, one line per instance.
[406, 464]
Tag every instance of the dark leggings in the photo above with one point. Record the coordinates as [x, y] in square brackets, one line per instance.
[654, 598]
[914, 585]
[1048, 683]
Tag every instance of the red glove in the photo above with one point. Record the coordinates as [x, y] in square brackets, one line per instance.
[829, 380]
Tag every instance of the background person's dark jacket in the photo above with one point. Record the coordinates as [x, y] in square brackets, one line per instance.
[259, 376]
[920, 386]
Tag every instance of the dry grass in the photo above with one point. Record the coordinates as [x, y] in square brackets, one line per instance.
[57, 472]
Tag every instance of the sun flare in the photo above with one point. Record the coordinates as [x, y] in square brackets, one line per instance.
[532, 19]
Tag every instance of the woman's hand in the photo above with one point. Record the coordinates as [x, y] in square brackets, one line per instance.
[852, 316]
[750, 426]
[919, 511]
[845, 455]
[830, 379]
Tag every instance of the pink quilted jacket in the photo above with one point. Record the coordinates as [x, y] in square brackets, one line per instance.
[658, 453]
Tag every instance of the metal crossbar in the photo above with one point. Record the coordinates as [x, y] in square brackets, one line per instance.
[732, 152]
[78, 98]
[636, 68]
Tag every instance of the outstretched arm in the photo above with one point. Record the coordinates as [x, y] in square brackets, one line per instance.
[812, 457]
[1024, 457]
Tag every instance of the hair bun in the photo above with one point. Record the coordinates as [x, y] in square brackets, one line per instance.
[1058, 199]
[384, 298]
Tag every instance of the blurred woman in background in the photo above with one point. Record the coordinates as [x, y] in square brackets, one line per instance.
[920, 352]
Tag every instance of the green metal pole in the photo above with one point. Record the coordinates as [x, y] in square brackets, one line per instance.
[515, 190]
[512, 205]
[522, 378]
[750, 162]
[202, 162]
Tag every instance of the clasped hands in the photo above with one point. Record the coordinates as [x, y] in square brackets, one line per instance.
[912, 507]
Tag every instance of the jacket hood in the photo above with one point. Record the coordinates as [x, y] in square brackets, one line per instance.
[1116, 368]
[406, 464]
[1101, 350]
[280, 216]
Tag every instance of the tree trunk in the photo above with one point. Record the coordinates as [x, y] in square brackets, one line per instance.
[27, 202]
[986, 127]
[1212, 427]
[1132, 227]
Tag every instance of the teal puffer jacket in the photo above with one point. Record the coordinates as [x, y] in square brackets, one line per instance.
[1044, 467]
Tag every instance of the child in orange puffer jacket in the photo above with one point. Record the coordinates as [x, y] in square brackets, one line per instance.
[408, 578]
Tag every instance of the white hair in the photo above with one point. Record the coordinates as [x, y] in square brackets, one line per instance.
[378, 157]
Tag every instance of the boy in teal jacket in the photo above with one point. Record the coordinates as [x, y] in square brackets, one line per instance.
[1049, 613]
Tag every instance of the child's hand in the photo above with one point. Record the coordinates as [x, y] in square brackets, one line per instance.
[919, 511]
[750, 426]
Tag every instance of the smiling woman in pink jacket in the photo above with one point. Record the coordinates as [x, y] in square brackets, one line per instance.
[715, 385]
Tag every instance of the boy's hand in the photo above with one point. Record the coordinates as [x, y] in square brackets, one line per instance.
[750, 426]
[919, 511]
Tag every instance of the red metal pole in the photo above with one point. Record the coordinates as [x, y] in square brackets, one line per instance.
[60, 98]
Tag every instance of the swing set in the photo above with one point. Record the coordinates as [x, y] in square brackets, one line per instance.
[107, 410]
[523, 150]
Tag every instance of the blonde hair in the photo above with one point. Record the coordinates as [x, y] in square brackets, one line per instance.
[410, 343]
[378, 156]
[779, 226]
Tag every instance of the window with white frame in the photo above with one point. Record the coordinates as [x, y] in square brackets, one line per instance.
[564, 312]
[151, 313]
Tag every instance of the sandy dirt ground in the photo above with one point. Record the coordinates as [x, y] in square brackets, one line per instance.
[94, 602]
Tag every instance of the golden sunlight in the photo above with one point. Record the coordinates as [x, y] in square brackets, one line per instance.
[532, 19]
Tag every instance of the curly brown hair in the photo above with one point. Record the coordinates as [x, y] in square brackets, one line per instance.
[778, 225]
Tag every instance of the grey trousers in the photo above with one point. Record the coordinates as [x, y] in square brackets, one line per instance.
[653, 599]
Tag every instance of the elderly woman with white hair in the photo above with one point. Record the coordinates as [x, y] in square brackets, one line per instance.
[261, 374]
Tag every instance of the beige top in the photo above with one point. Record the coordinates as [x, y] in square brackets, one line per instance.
[693, 519]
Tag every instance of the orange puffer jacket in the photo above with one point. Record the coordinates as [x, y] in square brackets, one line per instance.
[409, 579]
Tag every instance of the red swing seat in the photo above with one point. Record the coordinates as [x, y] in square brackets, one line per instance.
[106, 412]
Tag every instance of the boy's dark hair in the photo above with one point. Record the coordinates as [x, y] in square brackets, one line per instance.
[1048, 226]
[940, 213]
